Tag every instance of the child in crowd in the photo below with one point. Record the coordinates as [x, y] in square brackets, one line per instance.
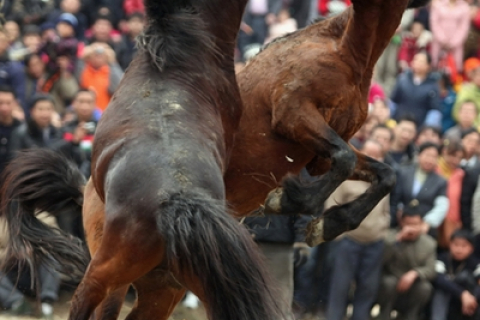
[456, 284]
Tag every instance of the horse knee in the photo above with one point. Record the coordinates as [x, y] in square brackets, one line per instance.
[344, 162]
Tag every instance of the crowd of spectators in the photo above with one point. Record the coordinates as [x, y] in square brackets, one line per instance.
[417, 255]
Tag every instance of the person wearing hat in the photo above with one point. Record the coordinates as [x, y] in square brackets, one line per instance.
[456, 284]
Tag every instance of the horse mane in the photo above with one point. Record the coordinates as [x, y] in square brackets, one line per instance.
[176, 35]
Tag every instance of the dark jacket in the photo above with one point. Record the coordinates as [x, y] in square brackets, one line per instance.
[81, 152]
[469, 185]
[416, 100]
[31, 11]
[449, 269]
[278, 228]
[125, 51]
[12, 74]
[28, 136]
[433, 187]
[5, 143]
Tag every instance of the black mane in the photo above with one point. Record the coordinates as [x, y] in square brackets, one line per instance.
[175, 35]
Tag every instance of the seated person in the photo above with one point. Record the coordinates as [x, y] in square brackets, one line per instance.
[13, 297]
[408, 268]
[456, 285]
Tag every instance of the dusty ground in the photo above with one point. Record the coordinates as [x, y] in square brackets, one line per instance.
[63, 305]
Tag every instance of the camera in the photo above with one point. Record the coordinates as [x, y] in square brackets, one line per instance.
[90, 127]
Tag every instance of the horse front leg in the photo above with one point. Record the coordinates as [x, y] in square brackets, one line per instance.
[341, 218]
[308, 127]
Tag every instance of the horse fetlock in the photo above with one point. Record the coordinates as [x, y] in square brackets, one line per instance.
[344, 161]
[273, 201]
[315, 230]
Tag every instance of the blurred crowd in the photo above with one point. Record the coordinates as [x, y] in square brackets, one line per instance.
[417, 255]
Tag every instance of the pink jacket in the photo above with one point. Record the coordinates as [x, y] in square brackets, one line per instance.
[450, 23]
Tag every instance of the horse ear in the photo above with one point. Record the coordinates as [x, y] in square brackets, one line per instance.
[417, 3]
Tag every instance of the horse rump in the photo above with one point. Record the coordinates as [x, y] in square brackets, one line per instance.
[203, 240]
[41, 180]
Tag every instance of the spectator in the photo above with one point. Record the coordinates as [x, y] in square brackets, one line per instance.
[259, 14]
[456, 284]
[72, 7]
[11, 72]
[415, 41]
[376, 92]
[421, 186]
[31, 39]
[416, 92]
[447, 100]
[408, 268]
[35, 73]
[469, 92]
[450, 24]
[133, 6]
[100, 72]
[381, 111]
[384, 135]
[471, 143]
[31, 11]
[402, 150]
[12, 30]
[358, 254]
[467, 115]
[7, 125]
[362, 135]
[284, 24]
[101, 31]
[428, 134]
[328, 8]
[128, 48]
[38, 131]
[449, 169]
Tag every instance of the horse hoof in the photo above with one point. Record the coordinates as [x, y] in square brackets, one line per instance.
[315, 232]
[273, 201]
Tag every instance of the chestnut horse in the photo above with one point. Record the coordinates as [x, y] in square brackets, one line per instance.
[304, 96]
[154, 209]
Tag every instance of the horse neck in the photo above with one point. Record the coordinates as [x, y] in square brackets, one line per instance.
[368, 28]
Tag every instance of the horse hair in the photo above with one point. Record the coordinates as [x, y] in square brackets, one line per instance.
[201, 237]
[175, 35]
[41, 180]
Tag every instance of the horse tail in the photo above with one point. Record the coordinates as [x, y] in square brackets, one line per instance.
[205, 241]
[41, 180]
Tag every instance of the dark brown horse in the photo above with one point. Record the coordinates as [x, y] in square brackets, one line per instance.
[304, 97]
[154, 209]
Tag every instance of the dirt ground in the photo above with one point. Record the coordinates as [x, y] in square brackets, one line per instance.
[62, 306]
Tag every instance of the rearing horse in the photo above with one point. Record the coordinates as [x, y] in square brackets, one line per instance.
[154, 209]
[304, 96]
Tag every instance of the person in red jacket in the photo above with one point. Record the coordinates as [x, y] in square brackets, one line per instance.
[416, 40]
[133, 6]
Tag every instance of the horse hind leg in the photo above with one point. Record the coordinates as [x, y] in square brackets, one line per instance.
[157, 296]
[123, 257]
[110, 307]
[341, 218]
[311, 130]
